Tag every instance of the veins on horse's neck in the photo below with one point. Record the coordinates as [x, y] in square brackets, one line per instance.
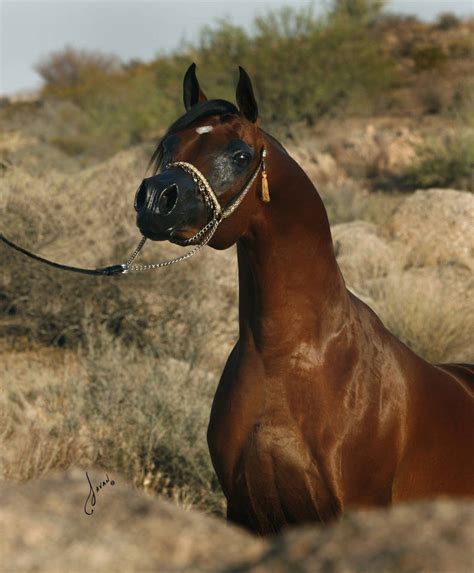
[289, 280]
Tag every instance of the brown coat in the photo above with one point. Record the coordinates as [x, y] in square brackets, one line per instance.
[319, 407]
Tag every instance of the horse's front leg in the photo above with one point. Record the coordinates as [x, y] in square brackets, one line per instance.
[236, 516]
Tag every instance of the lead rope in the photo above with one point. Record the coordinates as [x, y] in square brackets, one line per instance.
[206, 233]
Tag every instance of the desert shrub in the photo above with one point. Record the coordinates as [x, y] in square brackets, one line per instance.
[444, 162]
[428, 58]
[447, 21]
[303, 67]
[346, 201]
[69, 67]
[56, 308]
[393, 20]
[110, 110]
[124, 402]
[325, 84]
[461, 107]
[432, 96]
[151, 419]
[461, 48]
[87, 219]
[48, 306]
[362, 11]
[343, 201]
[114, 111]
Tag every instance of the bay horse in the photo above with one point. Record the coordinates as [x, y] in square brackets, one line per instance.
[319, 407]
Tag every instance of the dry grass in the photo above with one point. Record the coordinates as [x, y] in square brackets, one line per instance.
[429, 311]
[115, 408]
[347, 201]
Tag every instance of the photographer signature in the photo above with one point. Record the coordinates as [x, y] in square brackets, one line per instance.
[91, 498]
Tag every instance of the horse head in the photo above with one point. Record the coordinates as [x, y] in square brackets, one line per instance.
[205, 164]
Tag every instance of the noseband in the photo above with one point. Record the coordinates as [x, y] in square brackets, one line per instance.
[218, 214]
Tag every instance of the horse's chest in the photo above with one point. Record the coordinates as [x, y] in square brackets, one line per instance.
[276, 481]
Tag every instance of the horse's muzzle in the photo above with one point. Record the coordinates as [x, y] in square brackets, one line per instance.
[166, 203]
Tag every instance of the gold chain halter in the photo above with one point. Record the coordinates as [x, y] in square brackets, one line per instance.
[211, 201]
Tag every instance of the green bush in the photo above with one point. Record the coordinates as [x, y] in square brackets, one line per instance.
[461, 107]
[446, 162]
[362, 12]
[69, 67]
[303, 67]
[447, 21]
[114, 111]
[428, 58]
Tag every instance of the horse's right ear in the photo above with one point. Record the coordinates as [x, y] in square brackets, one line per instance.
[192, 93]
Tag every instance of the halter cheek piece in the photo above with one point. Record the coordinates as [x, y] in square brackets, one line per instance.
[218, 214]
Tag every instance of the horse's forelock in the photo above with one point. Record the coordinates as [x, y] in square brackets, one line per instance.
[199, 111]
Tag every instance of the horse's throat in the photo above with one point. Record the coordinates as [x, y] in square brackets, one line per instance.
[290, 286]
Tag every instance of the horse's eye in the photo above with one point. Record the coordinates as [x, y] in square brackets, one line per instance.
[241, 158]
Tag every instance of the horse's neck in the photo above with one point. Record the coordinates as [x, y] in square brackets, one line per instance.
[290, 285]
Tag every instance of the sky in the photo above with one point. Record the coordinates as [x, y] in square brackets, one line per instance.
[30, 29]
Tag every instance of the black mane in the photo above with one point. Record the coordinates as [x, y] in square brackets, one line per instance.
[198, 111]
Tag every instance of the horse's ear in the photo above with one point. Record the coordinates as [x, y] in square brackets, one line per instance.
[245, 98]
[192, 93]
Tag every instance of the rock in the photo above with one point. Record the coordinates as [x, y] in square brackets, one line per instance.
[436, 226]
[43, 528]
[374, 150]
[420, 538]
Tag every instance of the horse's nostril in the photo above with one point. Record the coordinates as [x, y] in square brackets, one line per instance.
[140, 198]
[168, 200]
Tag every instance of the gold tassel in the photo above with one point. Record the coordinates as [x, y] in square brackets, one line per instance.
[265, 191]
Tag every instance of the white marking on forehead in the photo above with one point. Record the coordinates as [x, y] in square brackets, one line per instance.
[204, 129]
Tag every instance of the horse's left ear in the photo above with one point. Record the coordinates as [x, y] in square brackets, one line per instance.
[192, 93]
[245, 98]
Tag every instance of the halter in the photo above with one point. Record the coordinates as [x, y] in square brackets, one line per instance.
[218, 214]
